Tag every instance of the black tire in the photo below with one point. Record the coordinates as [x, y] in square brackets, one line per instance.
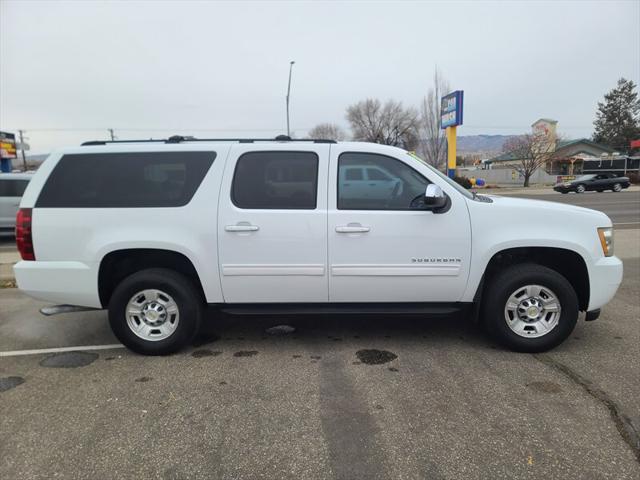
[183, 292]
[616, 188]
[508, 281]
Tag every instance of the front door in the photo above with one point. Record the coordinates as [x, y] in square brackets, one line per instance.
[382, 246]
[272, 224]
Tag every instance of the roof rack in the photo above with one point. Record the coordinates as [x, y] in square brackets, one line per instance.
[181, 139]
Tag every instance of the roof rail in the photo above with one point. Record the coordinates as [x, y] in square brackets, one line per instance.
[181, 139]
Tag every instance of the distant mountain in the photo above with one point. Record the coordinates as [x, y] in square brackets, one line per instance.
[489, 144]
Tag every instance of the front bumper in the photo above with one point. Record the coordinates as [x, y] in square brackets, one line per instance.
[562, 188]
[605, 277]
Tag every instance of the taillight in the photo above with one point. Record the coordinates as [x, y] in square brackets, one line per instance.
[24, 238]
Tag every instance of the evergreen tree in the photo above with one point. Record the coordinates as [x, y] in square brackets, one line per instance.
[618, 117]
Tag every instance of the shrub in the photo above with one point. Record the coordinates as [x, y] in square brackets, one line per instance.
[634, 178]
[464, 181]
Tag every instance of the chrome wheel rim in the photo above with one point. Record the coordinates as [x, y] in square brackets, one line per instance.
[617, 187]
[532, 311]
[580, 189]
[152, 315]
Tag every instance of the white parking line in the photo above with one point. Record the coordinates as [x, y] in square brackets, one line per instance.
[17, 353]
[626, 223]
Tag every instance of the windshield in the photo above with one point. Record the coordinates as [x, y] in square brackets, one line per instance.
[451, 182]
[582, 178]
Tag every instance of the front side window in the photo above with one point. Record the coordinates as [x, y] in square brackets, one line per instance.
[390, 183]
[276, 180]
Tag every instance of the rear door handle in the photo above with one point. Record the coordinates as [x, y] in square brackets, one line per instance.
[242, 228]
[352, 229]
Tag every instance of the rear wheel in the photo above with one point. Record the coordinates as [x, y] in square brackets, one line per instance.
[580, 189]
[530, 308]
[155, 311]
[617, 187]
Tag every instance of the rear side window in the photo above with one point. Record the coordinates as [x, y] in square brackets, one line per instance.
[12, 188]
[276, 180]
[125, 180]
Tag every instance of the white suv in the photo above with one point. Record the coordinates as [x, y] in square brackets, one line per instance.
[156, 230]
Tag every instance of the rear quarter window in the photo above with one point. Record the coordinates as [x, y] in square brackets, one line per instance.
[125, 180]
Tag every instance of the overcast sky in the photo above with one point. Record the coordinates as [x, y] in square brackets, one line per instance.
[220, 68]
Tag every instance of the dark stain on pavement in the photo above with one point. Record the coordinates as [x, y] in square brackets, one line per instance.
[393, 369]
[315, 357]
[7, 383]
[545, 387]
[349, 429]
[375, 357]
[69, 360]
[143, 379]
[205, 353]
[245, 353]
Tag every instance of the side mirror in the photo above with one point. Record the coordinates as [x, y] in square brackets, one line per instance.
[434, 197]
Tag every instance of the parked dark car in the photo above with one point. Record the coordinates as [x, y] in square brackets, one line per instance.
[598, 182]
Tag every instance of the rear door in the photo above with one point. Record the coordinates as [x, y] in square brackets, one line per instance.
[272, 224]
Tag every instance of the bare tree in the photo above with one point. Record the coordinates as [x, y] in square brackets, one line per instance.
[531, 151]
[389, 124]
[328, 131]
[433, 142]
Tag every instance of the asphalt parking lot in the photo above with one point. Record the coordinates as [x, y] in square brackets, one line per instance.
[344, 397]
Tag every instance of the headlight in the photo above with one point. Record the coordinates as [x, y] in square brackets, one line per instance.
[606, 240]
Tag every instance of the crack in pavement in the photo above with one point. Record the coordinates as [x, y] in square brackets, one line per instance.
[623, 424]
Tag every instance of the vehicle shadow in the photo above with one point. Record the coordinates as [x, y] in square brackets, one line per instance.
[325, 329]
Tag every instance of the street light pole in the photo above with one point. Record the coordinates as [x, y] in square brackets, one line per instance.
[288, 92]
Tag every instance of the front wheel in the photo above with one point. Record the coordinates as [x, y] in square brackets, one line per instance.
[530, 308]
[155, 311]
[580, 189]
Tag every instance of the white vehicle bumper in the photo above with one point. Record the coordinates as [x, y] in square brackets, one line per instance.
[72, 283]
[605, 277]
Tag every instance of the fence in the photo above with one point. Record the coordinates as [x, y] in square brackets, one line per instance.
[507, 176]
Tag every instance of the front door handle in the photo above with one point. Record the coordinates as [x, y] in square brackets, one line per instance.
[242, 228]
[352, 229]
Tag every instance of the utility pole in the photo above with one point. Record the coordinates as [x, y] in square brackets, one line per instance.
[24, 158]
[113, 137]
[288, 92]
